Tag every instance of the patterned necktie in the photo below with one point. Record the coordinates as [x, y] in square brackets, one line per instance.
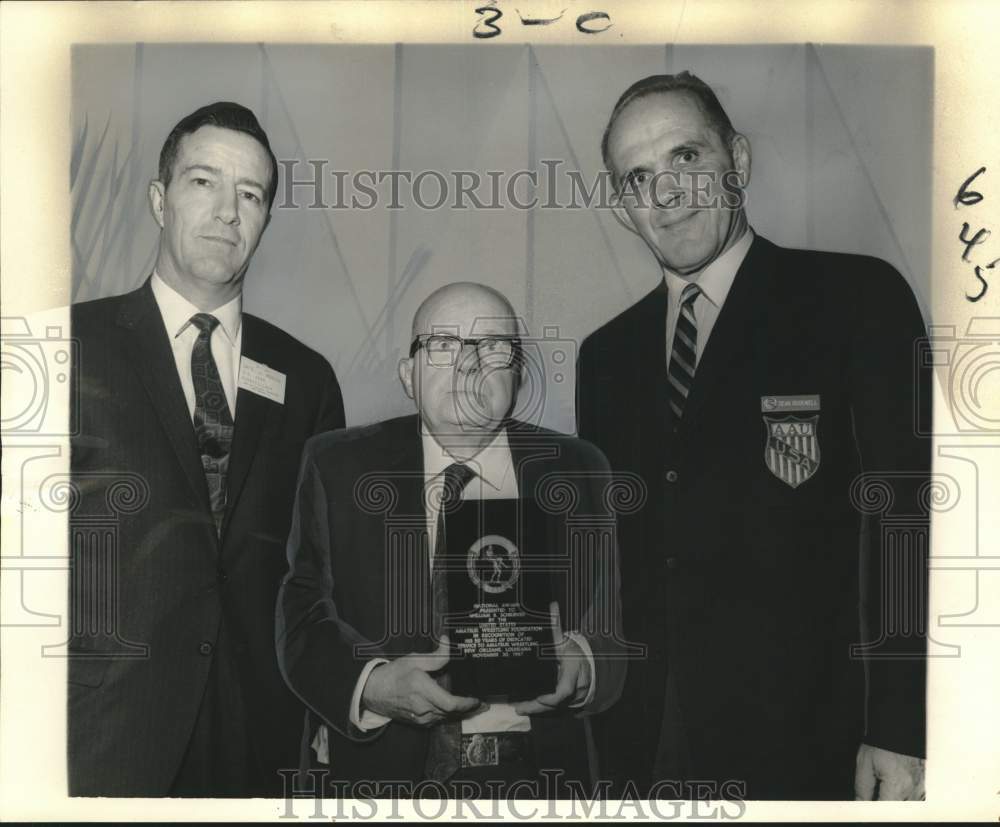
[683, 353]
[446, 737]
[213, 424]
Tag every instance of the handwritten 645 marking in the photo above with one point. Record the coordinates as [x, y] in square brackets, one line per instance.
[593, 22]
[969, 198]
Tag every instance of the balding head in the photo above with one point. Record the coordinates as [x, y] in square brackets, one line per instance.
[464, 308]
[465, 390]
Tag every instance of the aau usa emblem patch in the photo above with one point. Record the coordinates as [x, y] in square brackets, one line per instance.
[792, 450]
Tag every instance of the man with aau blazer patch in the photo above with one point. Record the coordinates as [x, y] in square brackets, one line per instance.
[193, 418]
[751, 390]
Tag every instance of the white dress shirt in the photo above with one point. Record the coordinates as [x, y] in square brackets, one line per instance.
[226, 341]
[495, 479]
[714, 281]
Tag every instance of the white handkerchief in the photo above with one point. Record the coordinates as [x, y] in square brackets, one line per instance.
[321, 745]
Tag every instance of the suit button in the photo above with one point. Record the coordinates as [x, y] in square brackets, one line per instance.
[222, 575]
[205, 647]
[672, 562]
[672, 476]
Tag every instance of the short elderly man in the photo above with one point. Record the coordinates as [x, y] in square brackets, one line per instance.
[749, 390]
[378, 688]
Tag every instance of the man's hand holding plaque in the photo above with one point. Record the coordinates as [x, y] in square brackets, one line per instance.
[405, 690]
[572, 682]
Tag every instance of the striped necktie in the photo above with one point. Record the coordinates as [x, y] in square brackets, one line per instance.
[683, 353]
[213, 423]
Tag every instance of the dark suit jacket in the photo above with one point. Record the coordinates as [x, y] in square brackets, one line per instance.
[358, 526]
[746, 587]
[156, 596]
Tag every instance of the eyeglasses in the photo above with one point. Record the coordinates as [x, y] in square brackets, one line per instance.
[442, 350]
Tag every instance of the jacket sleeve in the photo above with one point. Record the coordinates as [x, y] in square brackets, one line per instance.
[315, 646]
[601, 621]
[891, 392]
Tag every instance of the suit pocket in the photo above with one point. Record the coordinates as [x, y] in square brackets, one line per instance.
[88, 671]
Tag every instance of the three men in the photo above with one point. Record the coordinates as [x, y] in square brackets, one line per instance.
[750, 390]
[362, 637]
[193, 418]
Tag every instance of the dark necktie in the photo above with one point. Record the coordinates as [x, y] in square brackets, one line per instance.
[446, 737]
[213, 424]
[683, 353]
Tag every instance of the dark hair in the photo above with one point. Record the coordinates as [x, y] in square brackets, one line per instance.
[681, 82]
[225, 115]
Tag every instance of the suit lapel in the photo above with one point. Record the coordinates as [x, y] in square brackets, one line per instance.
[637, 366]
[747, 298]
[154, 364]
[405, 463]
[256, 420]
[530, 456]
[651, 347]
[403, 466]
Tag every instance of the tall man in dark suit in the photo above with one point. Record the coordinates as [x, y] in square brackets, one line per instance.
[193, 418]
[750, 390]
[353, 635]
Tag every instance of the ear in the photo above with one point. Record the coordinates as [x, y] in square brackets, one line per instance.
[740, 150]
[156, 193]
[405, 372]
[621, 214]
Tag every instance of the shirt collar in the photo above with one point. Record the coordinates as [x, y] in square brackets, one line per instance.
[177, 310]
[492, 464]
[715, 279]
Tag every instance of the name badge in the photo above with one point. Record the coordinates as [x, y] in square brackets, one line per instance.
[789, 404]
[258, 378]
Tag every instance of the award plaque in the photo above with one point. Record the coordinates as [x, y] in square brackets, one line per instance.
[499, 597]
